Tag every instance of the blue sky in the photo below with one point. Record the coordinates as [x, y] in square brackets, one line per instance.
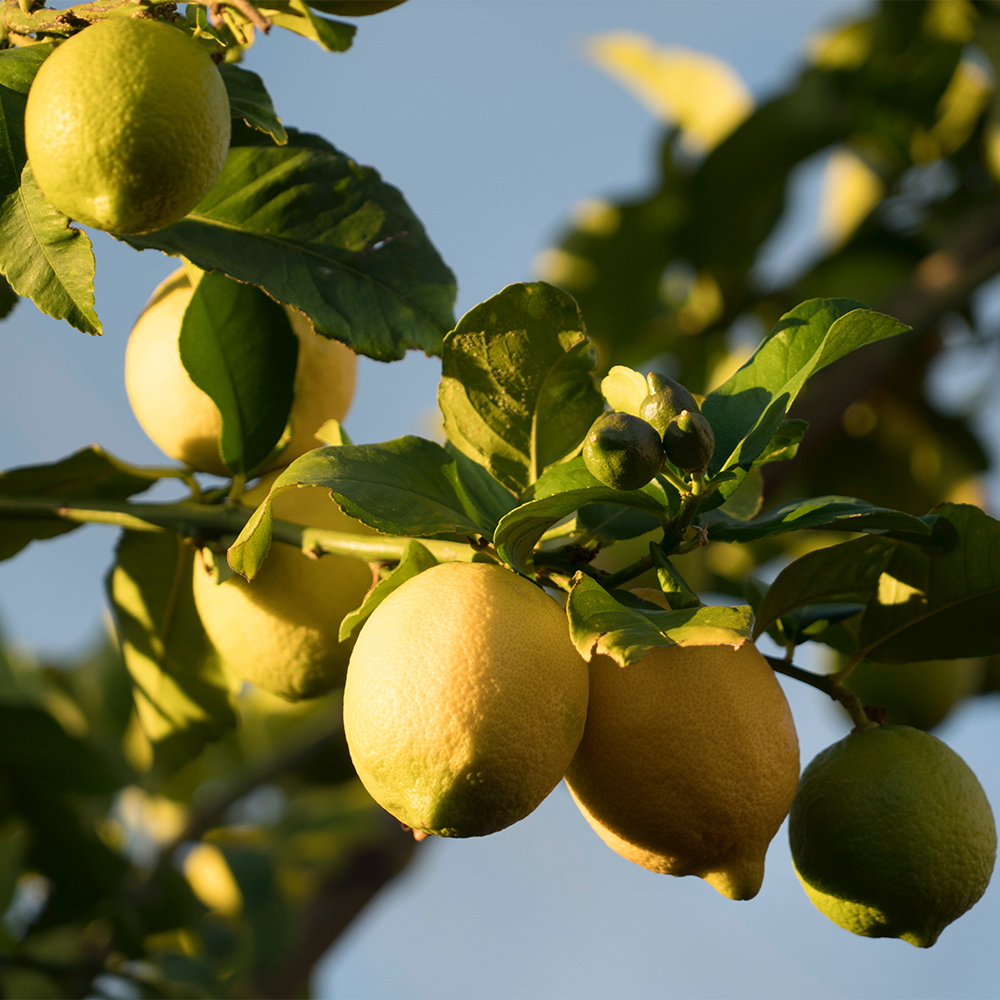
[488, 117]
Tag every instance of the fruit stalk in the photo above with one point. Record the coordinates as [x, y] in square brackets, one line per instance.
[829, 685]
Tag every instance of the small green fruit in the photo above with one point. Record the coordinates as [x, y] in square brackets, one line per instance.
[689, 441]
[622, 451]
[665, 401]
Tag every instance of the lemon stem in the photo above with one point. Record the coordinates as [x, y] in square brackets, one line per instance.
[829, 685]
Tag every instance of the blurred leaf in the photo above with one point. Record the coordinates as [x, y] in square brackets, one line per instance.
[624, 389]
[353, 8]
[14, 837]
[319, 232]
[930, 606]
[601, 624]
[249, 100]
[517, 391]
[818, 513]
[89, 474]
[295, 15]
[409, 486]
[559, 492]
[415, 560]
[238, 346]
[36, 750]
[181, 694]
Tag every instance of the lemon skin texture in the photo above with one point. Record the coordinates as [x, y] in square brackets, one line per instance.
[465, 700]
[689, 762]
[182, 419]
[127, 125]
[280, 630]
[892, 834]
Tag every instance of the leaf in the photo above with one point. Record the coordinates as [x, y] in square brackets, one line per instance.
[415, 560]
[89, 474]
[319, 232]
[931, 606]
[624, 389]
[249, 100]
[37, 751]
[831, 513]
[409, 486]
[8, 298]
[784, 445]
[353, 8]
[608, 520]
[334, 36]
[749, 408]
[517, 391]
[675, 588]
[847, 573]
[238, 346]
[600, 624]
[181, 694]
[559, 492]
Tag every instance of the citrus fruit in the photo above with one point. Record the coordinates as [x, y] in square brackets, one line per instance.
[182, 419]
[689, 441]
[280, 630]
[622, 451]
[465, 700]
[127, 125]
[688, 762]
[920, 694]
[891, 834]
[665, 400]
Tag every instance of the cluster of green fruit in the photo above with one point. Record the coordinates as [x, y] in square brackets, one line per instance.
[625, 451]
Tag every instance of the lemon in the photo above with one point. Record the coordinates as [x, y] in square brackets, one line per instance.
[280, 631]
[465, 700]
[622, 451]
[920, 694]
[892, 835]
[689, 762]
[127, 125]
[183, 420]
[665, 401]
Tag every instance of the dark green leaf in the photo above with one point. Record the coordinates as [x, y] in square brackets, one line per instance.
[89, 474]
[353, 8]
[318, 231]
[238, 346]
[249, 100]
[608, 520]
[415, 560]
[334, 36]
[181, 694]
[601, 624]
[561, 491]
[517, 391]
[675, 588]
[13, 847]
[785, 443]
[748, 409]
[930, 606]
[37, 751]
[485, 498]
[847, 573]
[409, 486]
[819, 513]
[8, 298]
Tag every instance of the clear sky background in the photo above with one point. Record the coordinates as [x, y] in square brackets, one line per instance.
[486, 114]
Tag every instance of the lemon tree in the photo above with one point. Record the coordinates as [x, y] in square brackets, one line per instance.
[471, 587]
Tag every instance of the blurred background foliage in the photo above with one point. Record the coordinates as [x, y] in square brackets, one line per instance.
[231, 876]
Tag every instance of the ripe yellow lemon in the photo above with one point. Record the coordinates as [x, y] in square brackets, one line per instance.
[689, 762]
[182, 419]
[280, 630]
[465, 700]
[127, 125]
[892, 835]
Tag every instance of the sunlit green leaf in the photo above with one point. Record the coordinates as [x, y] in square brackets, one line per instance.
[296, 16]
[249, 99]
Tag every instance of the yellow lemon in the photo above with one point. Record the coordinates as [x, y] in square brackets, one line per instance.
[892, 835]
[280, 630]
[465, 700]
[689, 762]
[127, 125]
[183, 420]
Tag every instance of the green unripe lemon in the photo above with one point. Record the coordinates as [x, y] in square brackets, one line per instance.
[127, 125]
[622, 451]
[892, 835]
[689, 441]
[665, 401]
